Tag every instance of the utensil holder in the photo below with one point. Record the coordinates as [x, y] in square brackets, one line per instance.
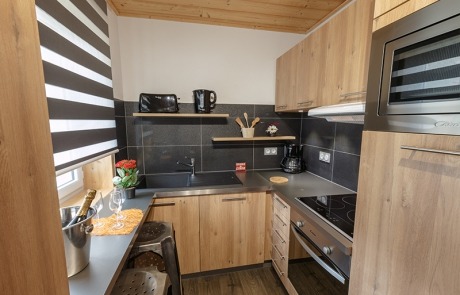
[247, 132]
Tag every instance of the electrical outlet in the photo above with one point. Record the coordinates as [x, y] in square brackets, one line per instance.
[270, 151]
[325, 157]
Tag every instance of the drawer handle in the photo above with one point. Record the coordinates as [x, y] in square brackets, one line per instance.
[436, 151]
[282, 204]
[233, 199]
[163, 204]
[278, 234]
[284, 224]
[279, 252]
[277, 268]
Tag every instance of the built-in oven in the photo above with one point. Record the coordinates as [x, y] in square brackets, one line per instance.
[321, 243]
[414, 73]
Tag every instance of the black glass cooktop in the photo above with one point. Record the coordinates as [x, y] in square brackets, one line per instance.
[339, 210]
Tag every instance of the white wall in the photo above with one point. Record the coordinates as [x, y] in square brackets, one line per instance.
[174, 57]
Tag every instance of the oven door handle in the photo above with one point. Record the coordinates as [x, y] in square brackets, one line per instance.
[323, 264]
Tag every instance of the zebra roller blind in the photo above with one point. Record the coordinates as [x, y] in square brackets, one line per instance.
[74, 42]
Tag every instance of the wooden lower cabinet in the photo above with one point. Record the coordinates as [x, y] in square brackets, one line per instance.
[232, 230]
[407, 233]
[184, 214]
[215, 231]
[268, 226]
[280, 237]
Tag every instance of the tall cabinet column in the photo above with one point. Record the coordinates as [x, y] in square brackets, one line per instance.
[32, 253]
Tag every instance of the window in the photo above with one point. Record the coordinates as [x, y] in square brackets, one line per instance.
[69, 183]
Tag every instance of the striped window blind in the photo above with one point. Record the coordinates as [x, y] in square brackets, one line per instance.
[74, 43]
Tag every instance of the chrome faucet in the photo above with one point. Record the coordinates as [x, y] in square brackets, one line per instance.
[191, 164]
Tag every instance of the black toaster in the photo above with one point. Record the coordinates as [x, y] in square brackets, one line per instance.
[158, 103]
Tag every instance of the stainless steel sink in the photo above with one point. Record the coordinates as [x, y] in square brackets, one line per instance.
[187, 180]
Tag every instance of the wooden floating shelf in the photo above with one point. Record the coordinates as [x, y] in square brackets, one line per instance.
[179, 115]
[257, 138]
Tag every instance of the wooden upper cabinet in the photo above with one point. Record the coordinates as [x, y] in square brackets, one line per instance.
[286, 67]
[389, 11]
[407, 232]
[383, 6]
[309, 75]
[331, 64]
[232, 230]
[184, 214]
[348, 39]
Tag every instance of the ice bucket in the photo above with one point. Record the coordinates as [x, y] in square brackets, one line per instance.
[77, 239]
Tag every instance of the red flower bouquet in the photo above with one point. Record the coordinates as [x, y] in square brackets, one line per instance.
[127, 174]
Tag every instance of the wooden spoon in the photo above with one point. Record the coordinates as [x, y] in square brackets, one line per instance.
[238, 120]
[246, 117]
[254, 122]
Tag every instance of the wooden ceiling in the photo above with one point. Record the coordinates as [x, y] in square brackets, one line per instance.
[294, 16]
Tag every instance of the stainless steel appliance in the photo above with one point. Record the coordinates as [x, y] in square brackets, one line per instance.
[325, 232]
[293, 161]
[414, 73]
[205, 100]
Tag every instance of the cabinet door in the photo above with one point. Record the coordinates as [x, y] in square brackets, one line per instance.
[286, 66]
[184, 215]
[346, 62]
[407, 231]
[232, 230]
[383, 6]
[310, 71]
[387, 13]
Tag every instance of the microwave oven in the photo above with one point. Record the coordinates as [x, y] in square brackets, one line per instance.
[414, 73]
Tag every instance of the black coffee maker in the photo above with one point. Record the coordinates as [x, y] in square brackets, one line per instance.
[293, 161]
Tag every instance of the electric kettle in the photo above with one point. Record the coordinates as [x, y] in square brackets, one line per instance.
[293, 161]
[205, 100]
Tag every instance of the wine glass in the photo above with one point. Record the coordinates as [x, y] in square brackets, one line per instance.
[123, 199]
[115, 206]
[98, 206]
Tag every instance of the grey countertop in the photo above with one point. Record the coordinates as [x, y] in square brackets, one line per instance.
[108, 254]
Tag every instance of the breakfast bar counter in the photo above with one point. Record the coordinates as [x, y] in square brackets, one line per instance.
[108, 253]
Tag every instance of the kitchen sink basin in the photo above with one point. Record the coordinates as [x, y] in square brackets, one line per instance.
[188, 180]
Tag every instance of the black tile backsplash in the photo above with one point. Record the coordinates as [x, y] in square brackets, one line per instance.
[310, 154]
[120, 121]
[342, 141]
[318, 132]
[346, 167]
[158, 143]
[163, 159]
[348, 138]
[221, 157]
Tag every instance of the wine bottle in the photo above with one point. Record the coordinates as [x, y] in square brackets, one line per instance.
[83, 211]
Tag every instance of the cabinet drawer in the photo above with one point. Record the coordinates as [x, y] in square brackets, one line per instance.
[280, 261]
[280, 207]
[280, 242]
[281, 225]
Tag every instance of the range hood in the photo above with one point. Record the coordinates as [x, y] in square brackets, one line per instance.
[344, 113]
